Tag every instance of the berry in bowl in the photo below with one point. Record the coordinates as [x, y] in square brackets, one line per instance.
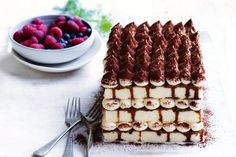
[52, 39]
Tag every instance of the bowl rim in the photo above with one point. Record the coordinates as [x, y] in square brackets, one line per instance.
[11, 33]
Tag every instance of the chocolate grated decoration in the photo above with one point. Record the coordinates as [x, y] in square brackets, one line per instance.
[153, 54]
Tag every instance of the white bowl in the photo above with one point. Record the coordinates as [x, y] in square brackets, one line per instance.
[49, 56]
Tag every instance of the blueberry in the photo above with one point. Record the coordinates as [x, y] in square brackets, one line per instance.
[89, 30]
[65, 45]
[69, 18]
[72, 36]
[66, 36]
[61, 40]
[80, 34]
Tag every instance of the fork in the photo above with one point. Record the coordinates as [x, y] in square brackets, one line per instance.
[72, 111]
[91, 119]
[72, 114]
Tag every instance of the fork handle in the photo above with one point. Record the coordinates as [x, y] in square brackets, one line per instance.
[46, 148]
[68, 152]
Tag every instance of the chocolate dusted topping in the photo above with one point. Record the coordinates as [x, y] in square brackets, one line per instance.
[127, 55]
[156, 28]
[126, 58]
[127, 63]
[143, 54]
[194, 38]
[143, 49]
[115, 35]
[115, 46]
[168, 26]
[169, 36]
[179, 29]
[198, 71]
[114, 39]
[117, 28]
[142, 64]
[171, 67]
[144, 24]
[175, 41]
[110, 57]
[142, 35]
[111, 63]
[127, 51]
[159, 41]
[189, 27]
[168, 29]
[146, 41]
[130, 41]
[129, 29]
[185, 59]
[157, 66]
[141, 76]
[114, 52]
[126, 74]
[157, 53]
[110, 78]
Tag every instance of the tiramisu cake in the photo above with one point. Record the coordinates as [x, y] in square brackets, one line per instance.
[153, 78]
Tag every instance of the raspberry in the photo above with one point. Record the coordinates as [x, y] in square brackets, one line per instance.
[83, 29]
[28, 30]
[56, 32]
[37, 46]
[34, 25]
[49, 41]
[57, 45]
[53, 24]
[61, 18]
[26, 43]
[61, 24]
[32, 40]
[43, 28]
[85, 37]
[76, 41]
[72, 27]
[38, 34]
[37, 21]
[79, 22]
[18, 36]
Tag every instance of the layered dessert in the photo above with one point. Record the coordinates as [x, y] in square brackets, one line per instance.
[153, 77]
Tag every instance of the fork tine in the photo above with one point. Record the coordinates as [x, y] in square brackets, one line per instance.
[78, 108]
[96, 115]
[75, 107]
[68, 109]
[96, 110]
[95, 106]
[72, 110]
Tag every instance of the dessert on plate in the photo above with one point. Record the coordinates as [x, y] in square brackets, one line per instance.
[153, 77]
